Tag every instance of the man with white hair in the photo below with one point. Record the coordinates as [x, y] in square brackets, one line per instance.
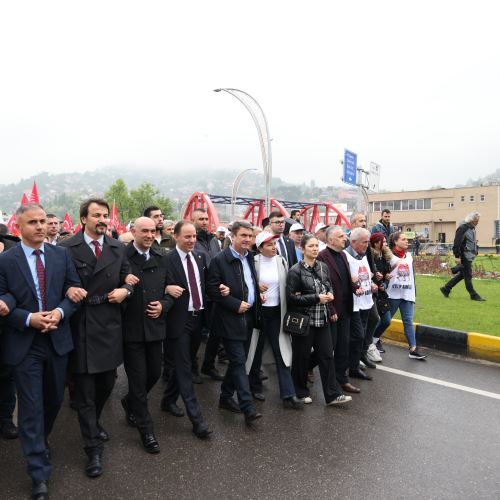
[465, 251]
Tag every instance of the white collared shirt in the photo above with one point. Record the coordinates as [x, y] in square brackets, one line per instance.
[89, 241]
[183, 255]
[140, 252]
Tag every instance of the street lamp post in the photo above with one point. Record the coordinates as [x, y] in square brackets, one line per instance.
[236, 186]
[259, 118]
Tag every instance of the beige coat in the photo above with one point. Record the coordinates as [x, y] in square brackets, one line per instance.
[285, 341]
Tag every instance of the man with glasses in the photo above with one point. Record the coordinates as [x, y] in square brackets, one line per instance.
[284, 245]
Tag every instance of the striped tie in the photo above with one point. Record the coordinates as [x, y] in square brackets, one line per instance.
[40, 271]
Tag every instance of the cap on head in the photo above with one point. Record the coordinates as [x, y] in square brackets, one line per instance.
[264, 237]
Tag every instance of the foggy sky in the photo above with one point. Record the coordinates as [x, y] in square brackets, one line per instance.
[413, 86]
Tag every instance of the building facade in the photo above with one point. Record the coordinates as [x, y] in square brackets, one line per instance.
[434, 214]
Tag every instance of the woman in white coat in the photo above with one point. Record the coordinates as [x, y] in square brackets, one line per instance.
[272, 270]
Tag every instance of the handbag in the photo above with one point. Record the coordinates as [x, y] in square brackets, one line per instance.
[296, 324]
[382, 301]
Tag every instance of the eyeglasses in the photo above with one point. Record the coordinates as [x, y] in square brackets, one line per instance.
[280, 222]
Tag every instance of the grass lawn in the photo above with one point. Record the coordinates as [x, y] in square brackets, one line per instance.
[458, 311]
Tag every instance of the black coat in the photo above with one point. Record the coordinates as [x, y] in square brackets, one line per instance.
[300, 290]
[290, 250]
[97, 329]
[177, 309]
[341, 304]
[226, 269]
[137, 325]
[208, 244]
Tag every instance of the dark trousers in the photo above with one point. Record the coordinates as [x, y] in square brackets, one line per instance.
[91, 393]
[319, 338]
[270, 331]
[7, 393]
[341, 330]
[142, 362]
[236, 376]
[39, 382]
[181, 380]
[464, 274]
[373, 319]
[359, 322]
[211, 350]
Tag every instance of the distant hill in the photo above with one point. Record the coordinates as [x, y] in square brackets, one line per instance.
[488, 179]
[63, 192]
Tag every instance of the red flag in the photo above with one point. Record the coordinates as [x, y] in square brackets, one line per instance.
[34, 194]
[24, 199]
[77, 229]
[67, 223]
[11, 224]
[114, 220]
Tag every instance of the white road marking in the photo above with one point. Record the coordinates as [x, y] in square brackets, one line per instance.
[437, 381]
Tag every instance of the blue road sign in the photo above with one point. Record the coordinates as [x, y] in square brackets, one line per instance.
[350, 165]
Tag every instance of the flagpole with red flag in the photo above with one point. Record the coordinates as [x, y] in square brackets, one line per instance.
[34, 194]
[11, 224]
[114, 219]
[67, 223]
[24, 199]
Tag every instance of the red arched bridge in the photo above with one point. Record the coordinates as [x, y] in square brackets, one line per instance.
[311, 213]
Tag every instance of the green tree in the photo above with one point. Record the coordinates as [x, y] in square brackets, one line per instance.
[118, 193]
[146, 195]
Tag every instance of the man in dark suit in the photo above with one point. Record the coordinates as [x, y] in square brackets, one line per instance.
[144, 328]
[97, 327]
[340, 275]
[35, 280]
[235, 315]
[284, 245]
[186, 271]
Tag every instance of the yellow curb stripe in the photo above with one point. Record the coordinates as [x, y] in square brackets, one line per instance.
[483, 346]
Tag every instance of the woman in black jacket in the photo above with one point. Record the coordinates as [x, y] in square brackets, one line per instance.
[309, 291]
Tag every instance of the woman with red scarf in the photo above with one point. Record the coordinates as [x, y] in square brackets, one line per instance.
[401, 289]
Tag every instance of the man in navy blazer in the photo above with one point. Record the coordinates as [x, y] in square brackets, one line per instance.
[36, 281]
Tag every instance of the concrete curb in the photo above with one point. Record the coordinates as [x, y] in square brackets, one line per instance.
[469, 344]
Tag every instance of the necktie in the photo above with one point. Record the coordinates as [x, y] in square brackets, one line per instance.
[282, 247]
[40, 271]
[192, 284]
[97, 249]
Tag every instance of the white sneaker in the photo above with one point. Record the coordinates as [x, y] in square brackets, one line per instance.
[308, 400]
[343, 398]
[372, 354]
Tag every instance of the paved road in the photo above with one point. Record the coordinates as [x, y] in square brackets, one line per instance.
[400, 438]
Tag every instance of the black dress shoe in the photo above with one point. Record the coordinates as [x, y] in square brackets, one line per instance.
[258, 396]
[293, 403]
[150, 443]
[367, 362]
[252, 417]
[351, 388]
[94, 466]
[359, 373]
[195, 377]
[172, 408]
[213, 374]
[9, 430]
[262, 375]
[201, 430]
[478, 298]
[103, 434]
[40, 490]
[229, 404]
[130, 417]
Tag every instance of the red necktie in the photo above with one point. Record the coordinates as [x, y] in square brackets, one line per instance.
[40, 271]
[97, 248]
[193, 285]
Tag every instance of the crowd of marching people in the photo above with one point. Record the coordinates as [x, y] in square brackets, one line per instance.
[74, 307]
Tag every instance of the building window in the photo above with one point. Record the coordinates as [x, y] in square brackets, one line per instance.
[387, 204]
[370, 205]
[471, 197]
[420, 204]
[427, 203]
[462, 198]
[483, 197]
[411, 204]
[451, 204]
[376, 206]
[404, 204]
[397, 204]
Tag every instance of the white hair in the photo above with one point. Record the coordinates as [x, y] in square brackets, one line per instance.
[472, 216]
[358, 232]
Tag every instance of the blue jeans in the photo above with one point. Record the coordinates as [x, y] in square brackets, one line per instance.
[407, 308]
[385, 321]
